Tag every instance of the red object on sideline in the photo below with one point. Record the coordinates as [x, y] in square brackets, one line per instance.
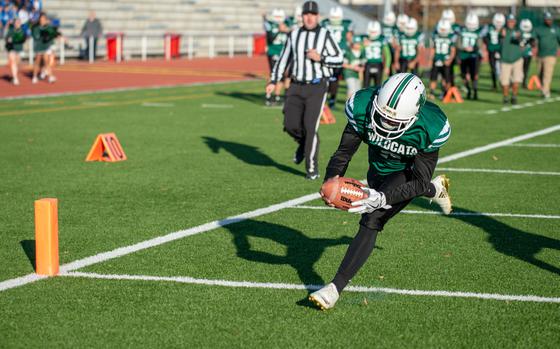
[112, 45]
[174, 44]
[259, 44]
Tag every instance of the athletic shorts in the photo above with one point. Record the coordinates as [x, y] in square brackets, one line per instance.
[511, 72]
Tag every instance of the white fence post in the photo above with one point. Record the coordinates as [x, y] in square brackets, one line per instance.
[31, 52]
[231, 47]
[167, 47]
[91, 49]
[62, 52]
[211, 47]
[119, 43]
[144, 48]
[249, 46]
[190, 47]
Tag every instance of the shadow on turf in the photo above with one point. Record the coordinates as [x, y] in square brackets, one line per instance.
[256, 98]
[302, 252]
[507, 239]
[28, 247]
[248, 154]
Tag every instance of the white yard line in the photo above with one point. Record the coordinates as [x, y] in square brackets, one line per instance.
[285, 286]
[217, 106]
[122, 251]
[522, 106]
[157, 105]
[535, 145]
[436, 213]
[486, 170]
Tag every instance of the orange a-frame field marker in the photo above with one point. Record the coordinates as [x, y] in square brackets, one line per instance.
[106, 148]
[46, 237]
[534, 83]
[327, 116]
[453, 96]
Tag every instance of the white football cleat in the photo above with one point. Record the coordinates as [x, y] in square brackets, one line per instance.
[52, 79]
[34, 80]
[442, 197]
[15, 81]
[325, 298]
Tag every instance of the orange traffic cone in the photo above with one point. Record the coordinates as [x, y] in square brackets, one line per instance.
[534, 83]
[453, 96]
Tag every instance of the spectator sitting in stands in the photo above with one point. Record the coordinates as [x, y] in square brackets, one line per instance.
[92, 29]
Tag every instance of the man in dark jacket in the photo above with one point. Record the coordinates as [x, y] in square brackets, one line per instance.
[91, 31]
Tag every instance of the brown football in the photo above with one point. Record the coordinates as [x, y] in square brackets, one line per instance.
[341, 192]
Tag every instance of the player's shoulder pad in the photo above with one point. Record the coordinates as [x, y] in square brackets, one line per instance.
[436, 125]
[358, 106]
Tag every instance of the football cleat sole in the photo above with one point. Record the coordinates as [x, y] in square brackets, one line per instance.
[317, 303]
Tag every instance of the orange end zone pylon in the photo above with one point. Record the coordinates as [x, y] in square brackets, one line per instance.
[453, 96]
[106, 148]
[327, 116]
[534, 83]
[46, 237]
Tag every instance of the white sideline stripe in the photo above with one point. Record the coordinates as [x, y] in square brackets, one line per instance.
[285, 286]
[498, 144]
[535, 145]
[121, 251]
[217, 106]
[158, 105]
[475, 214]
[486, 170]
[521, 106]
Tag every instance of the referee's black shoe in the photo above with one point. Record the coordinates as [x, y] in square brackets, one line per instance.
[299, 154]
[312, 176]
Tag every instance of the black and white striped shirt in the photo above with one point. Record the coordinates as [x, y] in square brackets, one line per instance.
[304, 69]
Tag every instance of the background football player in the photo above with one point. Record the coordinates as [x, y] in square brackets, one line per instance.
[493, 41]
[390, 32]
[376, 51]
[528, 42]
[353, 66]
[277, 30]
[406, 51]
[403, 133]
[469, 43]
[443, 53]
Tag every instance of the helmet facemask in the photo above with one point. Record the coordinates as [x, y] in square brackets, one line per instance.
[385, 123]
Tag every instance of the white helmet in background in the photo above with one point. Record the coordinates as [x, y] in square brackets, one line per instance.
[298, 15]
[397, 104]
[411, 27]
[374, 29]
[526, 25]
[449, 15]
[499, 20]
[471, 22]
[278, 15]
[336, 15]
[443, 27]
[389, 19]
[402, 20]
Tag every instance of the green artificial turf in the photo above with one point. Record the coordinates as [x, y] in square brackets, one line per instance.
[199, 154]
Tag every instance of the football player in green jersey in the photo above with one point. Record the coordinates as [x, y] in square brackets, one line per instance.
[403, 133]
[528, 42]
[390, 32]
[342, 32]
[277, 30]
[353, 66]
[493, 41]
[469, 44]
[443, 53]
[15, 38]
[449, 15]
[375, 52]
[406, 52]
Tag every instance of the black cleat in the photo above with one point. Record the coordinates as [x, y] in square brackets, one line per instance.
[299, 154]
[514, 100]
[506, 100]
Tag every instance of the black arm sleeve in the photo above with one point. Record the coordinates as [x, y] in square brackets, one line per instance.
[349, 144]
[422, 171]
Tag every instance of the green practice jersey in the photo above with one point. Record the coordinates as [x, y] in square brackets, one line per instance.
[373, 50]
[275, 39]
[409, 45]
[429, 133]
[492, 38]
[339, 31]
[511, 46]
[469, 40]
[43, 37]
[442, 48]
[549, 40]
[15, 39]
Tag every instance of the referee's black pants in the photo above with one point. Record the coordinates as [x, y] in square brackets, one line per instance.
[302, 111]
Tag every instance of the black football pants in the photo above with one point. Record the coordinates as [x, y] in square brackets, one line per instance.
[302, 114]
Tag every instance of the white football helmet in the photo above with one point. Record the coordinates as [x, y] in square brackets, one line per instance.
[449, 15]
[374, 30]
[411, 27]
[336, 15]
[499, 20]
[389, 19]
[397, 104]
[402, 20]
[298, 15]
[471, 22]
[443, 27]
[526, 25]
[278, 15]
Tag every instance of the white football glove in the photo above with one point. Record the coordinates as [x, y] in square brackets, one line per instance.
[374, 201]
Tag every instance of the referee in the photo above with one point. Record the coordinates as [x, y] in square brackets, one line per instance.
[312, 51]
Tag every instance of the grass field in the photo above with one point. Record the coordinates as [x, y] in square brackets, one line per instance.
[202, 154]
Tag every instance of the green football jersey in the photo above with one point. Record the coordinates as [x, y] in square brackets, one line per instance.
[275, 39]
[373, 51]
[15, 38]
[442, 48]
[469, 39]
[389, 33]
[338, 31]
[493, 39]
[526, 41]
[429, 133]
[409, 45]
[353, 58]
